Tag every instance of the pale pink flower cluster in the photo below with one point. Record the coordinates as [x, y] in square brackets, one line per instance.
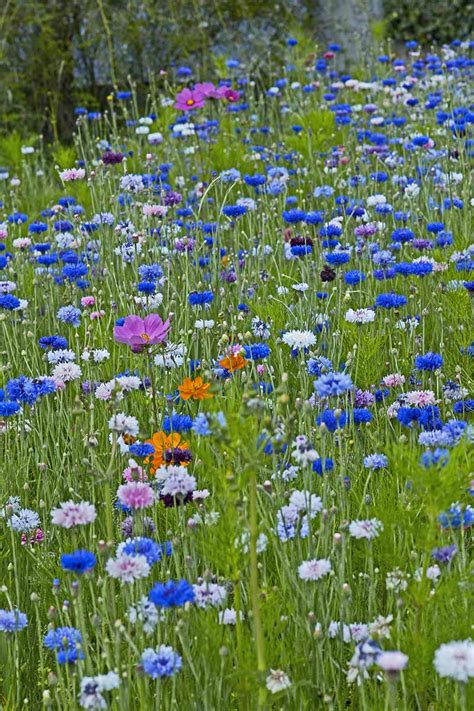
[21, 243]
[128, 568]
[393, 380]
[368, 529]
[94, 315]
[71, 174]
[314, 569]
[154, 210]
[133, 472]
[72, 513]
[136, 495]
[421, 398]
[88, 301]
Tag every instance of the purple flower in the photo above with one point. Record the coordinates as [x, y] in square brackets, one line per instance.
[139, 333]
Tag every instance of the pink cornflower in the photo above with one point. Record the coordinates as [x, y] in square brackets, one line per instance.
[72, 513]
[127, 568]
[139, 333]
[154, 210]
[187, 100]
[133, 472]
[136, 495]
[421, 398]
[88, 301]
[393, 380]
[71, 174]
[94, 315]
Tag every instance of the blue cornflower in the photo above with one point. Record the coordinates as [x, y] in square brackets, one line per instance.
[316, 366]
[197, 298]
[150, 272]
[390, 301]
[79, 562]
[234, 210]
[444, 554]
[336, 258]
[320, 465]
[256, 351]
[9, 302]
[7, 409]
[333, 384]
[171, 594]
[294, 216]
[160, 662]
[146, 287]
[354, 277]
[73, 272]
[437, 457]
[12, 621]
[375, 461]
[456, 516]
[229, 176]
[429, 361]
[201, 425]
[69, 314]
[54, 342]
[435, 226]
[177, 423]
[66, 642]
[152, 551]
[142, 449]
[22, 389]
[24, 521]
[463, 406]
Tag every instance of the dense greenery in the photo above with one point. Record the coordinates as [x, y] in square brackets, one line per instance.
[57, 54]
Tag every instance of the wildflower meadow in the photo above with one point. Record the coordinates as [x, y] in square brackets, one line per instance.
[236, 392]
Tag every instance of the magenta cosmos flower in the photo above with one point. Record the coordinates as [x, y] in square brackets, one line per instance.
[188, 99]
[138, 333]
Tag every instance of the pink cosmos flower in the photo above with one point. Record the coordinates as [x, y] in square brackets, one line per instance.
[139, 333]
[228, 94]
[136, 495]
[207, 90]
[72, 513]
[188, 99]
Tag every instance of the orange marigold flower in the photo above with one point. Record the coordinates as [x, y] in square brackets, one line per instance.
[194, 389]
[163, 442]
[233, 362]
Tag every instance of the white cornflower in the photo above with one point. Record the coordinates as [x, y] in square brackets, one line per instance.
[124, 424]
[360, 316]
[314, 569]
[65, 372]
[209, 594]
[229, 616]
[368, 529]
[455, 660]
[277, 681]
[299, 339]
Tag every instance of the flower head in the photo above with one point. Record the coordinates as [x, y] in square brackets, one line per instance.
[140, 333]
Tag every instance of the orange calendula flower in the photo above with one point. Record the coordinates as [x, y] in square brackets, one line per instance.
[233, 362]
[163, 442]
[194, 389]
